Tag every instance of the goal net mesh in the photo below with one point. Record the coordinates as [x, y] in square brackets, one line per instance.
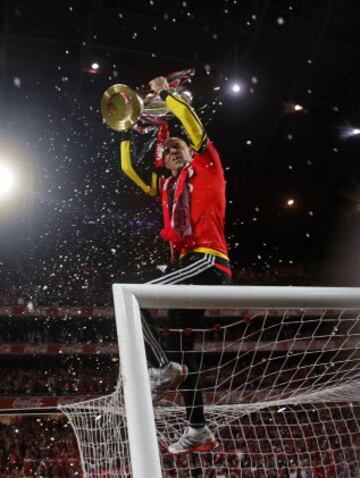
[281, 391]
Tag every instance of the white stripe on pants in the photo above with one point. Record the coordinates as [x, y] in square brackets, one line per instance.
[174, 277]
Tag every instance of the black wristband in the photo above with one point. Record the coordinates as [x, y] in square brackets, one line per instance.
[164, 93]
[125, 136]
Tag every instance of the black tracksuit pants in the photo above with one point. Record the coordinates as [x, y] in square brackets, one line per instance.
[194, 268]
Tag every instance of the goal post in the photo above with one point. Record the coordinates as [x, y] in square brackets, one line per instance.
[279, 372]
[128, 298]
[144, 450]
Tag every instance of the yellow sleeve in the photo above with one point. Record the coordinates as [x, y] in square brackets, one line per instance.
[127, 168]
[189, 119]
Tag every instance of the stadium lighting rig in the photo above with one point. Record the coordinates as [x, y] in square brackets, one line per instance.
[93, 68]
[291, 107]
[349, 132]
[236, 87]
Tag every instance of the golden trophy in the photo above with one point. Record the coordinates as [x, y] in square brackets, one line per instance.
[122, 108]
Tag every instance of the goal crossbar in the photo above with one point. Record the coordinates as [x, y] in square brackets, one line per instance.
[128, 298]
[189, 296]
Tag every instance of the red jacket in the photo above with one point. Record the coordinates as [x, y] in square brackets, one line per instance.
[197, 216]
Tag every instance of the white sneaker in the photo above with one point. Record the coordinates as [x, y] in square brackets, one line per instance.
[166, 378]
[200, 440]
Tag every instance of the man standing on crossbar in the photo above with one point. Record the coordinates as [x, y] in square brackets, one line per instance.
[193, 204]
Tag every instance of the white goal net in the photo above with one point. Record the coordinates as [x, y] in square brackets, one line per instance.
[281, 393]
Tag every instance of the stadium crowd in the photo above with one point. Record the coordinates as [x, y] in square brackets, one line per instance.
[35, 328]
[62, 330]
[56, 381]
[38, 447]
[258, 445]
[96, 376]
[92, 287]
[323, 444]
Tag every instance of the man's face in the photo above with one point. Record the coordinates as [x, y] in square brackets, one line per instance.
[176, 154]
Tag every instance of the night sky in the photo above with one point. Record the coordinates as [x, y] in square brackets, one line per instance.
[74, 222]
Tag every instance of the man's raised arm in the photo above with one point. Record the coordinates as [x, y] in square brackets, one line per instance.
[127, 167]
[183, 111]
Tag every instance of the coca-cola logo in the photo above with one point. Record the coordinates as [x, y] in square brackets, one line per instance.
[5, 349]
[35, 349]
[106, 349]
[69, 400]
[71, 349]
[27, 402]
